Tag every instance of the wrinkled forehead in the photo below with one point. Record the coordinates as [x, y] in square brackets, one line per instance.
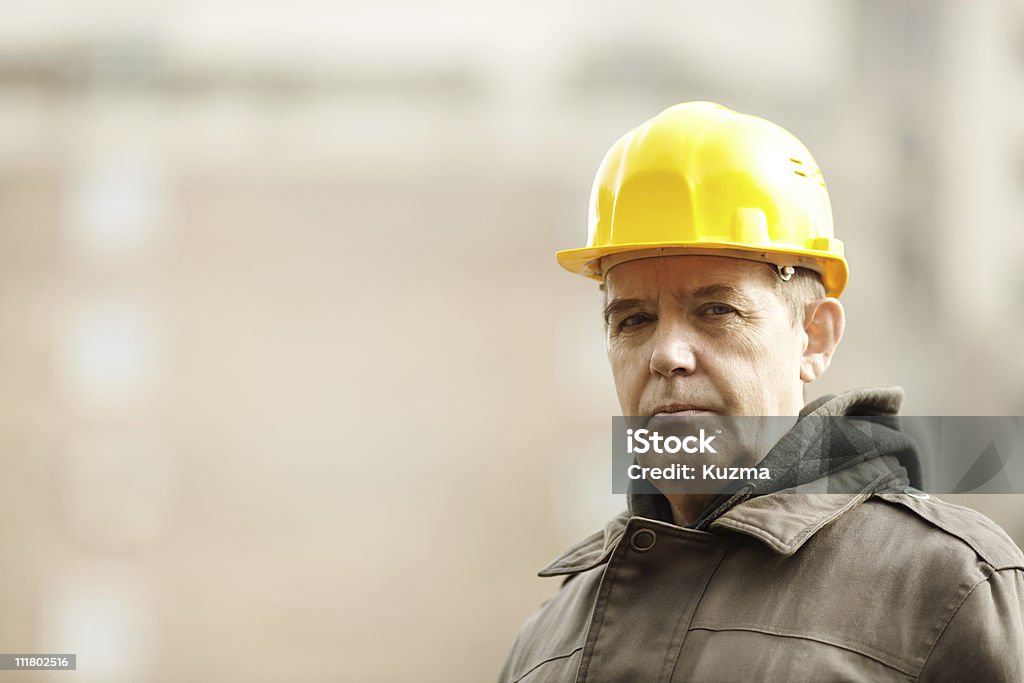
[646, 277]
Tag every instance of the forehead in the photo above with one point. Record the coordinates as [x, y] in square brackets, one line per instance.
[649, 276]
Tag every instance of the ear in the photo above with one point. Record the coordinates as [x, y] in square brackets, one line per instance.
[824, 323]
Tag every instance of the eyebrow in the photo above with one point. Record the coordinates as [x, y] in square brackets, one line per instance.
[724, 290]
[721, 291]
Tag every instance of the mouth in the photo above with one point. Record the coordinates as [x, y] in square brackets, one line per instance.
[677, 409]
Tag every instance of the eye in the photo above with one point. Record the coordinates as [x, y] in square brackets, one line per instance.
[634, 320]
[719, 309]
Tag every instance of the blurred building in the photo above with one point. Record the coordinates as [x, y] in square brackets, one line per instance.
[293, 388]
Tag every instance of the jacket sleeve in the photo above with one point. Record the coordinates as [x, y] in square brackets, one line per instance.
[984, 639]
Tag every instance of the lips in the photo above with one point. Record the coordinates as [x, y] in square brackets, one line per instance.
[681, 409]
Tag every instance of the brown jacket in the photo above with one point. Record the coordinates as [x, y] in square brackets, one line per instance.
[884, 584]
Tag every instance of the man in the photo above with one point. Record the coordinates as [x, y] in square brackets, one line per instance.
[712, 234]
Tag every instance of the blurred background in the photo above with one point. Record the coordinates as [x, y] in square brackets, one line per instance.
[292, 387]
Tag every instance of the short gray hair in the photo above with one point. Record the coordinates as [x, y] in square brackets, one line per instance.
[804, 287]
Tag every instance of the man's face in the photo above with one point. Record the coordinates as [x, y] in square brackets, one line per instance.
[702, 333]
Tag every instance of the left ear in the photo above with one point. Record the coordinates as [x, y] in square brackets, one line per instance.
[824, 321]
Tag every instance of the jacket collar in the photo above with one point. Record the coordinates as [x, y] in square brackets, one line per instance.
[783, 521]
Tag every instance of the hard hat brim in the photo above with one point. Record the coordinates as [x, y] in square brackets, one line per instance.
[832, 267]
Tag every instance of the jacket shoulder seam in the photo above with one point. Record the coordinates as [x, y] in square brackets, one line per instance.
[945, 627]
[988, 557]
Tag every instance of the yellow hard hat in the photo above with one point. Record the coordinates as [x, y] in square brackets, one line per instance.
[699, 178]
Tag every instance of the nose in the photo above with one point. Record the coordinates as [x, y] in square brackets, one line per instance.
[673, 354]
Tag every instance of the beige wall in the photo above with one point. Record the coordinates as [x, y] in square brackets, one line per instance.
[292, 386]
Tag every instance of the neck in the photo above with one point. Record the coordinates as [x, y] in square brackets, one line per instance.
[687, 507]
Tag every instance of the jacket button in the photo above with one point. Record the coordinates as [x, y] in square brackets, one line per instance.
[642, 540]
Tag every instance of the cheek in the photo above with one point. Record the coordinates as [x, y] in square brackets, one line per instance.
[759, 363]
[782, 356]
[629, 371]
[746, 355]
